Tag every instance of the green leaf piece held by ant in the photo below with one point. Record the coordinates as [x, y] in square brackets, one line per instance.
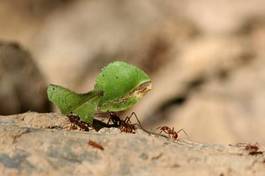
[123, 86]
[83, 105]
[118, 87]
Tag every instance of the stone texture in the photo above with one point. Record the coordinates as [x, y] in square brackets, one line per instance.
[28, 149]
[22, 86]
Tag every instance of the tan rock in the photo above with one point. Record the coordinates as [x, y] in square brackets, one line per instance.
[45, 151]
[22, 86]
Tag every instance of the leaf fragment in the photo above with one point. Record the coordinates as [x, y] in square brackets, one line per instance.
[118, 87]
[119, 82]
[69, 102]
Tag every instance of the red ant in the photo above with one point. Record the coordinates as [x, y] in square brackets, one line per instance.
[253, 149]
[124, 125]
[75, 120]
[95, 145]
[171, 132]
[127, 126]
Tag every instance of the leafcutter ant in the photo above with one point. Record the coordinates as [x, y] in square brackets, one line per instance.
[95, 145]
[253, 149]
[124, 125]
[127, 126]
[171, 132]
[76, 121]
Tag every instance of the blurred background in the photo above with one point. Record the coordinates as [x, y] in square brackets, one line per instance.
[206, 59]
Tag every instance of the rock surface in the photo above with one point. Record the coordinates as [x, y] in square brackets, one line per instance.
[42, 144]
[22, 86]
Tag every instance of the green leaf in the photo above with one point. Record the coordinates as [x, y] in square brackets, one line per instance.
[118, 87]
[122, 85]
[83, 105]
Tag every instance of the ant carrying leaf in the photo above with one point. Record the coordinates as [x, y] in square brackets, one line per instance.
[118, 87]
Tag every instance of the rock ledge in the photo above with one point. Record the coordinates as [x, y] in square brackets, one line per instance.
[42, 144]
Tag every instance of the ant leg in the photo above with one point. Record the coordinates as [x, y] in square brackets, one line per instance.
[142, 128]
[110, 115]
[128, 118]
[115, 119]
[139, 123]
[108, 121]
[159, 128]
[137, 119]
[132, 114]
[182, 130]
